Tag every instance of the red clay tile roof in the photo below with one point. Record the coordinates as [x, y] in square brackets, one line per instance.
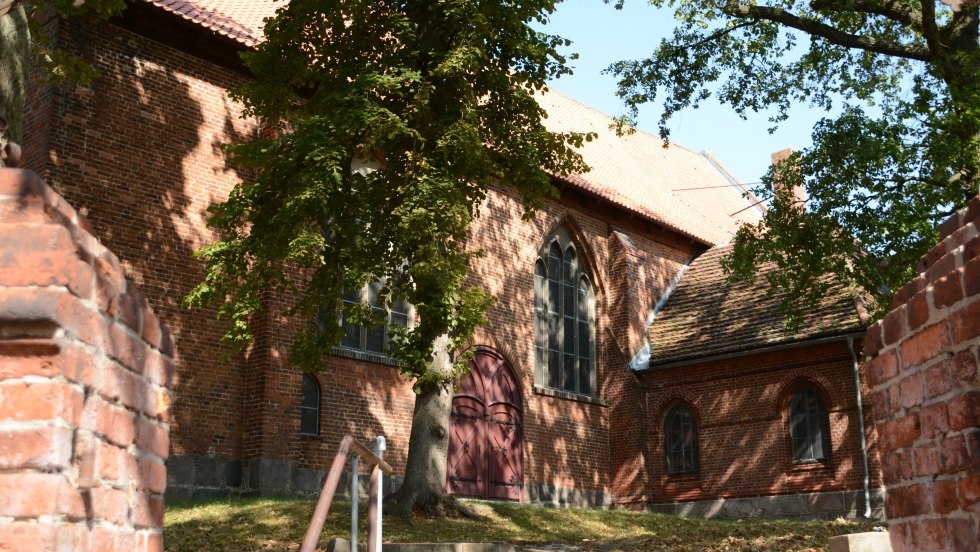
[240, 20]
[706, 317]
[682, 190]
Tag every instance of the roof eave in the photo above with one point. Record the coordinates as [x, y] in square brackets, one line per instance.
[687, 361]
[663, 224]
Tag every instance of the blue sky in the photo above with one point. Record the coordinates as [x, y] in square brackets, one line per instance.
[601, 35]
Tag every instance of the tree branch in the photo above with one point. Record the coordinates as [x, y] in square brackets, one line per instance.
[896, 11]
[720, 33]
[929, 28]
[816, 28]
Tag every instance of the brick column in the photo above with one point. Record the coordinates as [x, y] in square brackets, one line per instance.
[85, 377]
[922, 369]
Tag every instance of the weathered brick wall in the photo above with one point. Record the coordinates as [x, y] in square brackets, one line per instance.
[743, 437]
[157, 117]
[85, 375]
[138, 152]
[922, 366]
[568, 445]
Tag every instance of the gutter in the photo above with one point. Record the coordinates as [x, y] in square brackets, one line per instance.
[641, 361]
[864, 443]
[746, 352]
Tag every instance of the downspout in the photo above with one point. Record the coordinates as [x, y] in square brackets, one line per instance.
[642, 359]
[864, 443]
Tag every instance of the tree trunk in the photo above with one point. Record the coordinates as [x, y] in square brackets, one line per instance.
[424, 488]
[15, 44]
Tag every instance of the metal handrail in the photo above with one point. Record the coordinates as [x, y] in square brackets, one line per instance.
[330, 488]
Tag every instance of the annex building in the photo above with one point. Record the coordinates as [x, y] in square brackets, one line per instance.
[664, 387]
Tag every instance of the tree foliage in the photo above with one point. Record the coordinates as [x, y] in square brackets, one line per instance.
[393, 120]
[901, 155]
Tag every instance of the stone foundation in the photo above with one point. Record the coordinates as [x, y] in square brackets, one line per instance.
[197, 477]
[832, 505]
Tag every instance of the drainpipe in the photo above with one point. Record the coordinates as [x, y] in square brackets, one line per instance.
[641, 361]
[864, 444]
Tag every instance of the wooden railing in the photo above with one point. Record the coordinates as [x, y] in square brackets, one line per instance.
[347, 444]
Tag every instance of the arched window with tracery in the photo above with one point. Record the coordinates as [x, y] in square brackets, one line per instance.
[564, 335]
[681, 440]
[809, 428]
[309, 408]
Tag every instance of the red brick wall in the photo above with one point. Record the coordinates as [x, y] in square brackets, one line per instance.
[923, 362]
[740, 408]
[567, 441]
[138, 152]
[85, 375]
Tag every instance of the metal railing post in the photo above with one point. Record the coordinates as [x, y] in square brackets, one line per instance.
[354, 499]
[376, 495]
[330, 487]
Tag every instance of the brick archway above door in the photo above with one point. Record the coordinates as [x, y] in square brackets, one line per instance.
[486, 435]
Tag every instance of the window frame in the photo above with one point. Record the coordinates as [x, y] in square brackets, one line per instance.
[553, 347]
[681, 415]
[364, 295]
[313, 404]
[815, 421]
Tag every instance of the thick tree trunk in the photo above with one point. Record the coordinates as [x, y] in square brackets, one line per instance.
[424, 488]
[15, 44]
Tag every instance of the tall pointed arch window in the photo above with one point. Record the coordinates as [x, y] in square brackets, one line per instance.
[564, 320]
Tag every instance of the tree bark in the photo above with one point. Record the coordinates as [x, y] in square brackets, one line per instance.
[424, 489]
[15, 44]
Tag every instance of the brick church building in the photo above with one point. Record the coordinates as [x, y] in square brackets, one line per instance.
[665, 388]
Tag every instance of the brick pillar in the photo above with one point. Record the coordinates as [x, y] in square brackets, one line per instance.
[923, 359]
[85, 377]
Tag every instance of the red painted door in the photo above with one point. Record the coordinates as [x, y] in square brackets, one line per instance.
[486, 454]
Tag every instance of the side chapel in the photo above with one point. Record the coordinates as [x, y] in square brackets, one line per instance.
[618, 369]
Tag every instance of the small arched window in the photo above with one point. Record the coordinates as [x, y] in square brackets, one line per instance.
[309, 417]
[809, 431]
[564, 322]
[681, 440]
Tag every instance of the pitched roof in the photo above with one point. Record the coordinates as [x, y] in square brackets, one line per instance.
[240, 20]
[705, 316]
[685, 191]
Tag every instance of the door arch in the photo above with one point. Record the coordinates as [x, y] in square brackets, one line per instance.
[486, 432]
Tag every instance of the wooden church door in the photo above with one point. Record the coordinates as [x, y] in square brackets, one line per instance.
[486, 454]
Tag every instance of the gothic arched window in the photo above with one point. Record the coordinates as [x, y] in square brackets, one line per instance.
[681, 440]
[564, 322]
[309, 408]
[809, 431]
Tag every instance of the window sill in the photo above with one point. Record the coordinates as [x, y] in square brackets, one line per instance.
[364, 355]
[685, 477]
[804, 466]
[549, 392]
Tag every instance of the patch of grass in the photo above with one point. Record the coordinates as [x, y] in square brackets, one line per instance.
[279, 525]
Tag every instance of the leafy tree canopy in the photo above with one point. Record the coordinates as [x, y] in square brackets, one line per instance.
[899, 158]
[392, 120]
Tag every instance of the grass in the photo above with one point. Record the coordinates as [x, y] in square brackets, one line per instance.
[279, 525]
